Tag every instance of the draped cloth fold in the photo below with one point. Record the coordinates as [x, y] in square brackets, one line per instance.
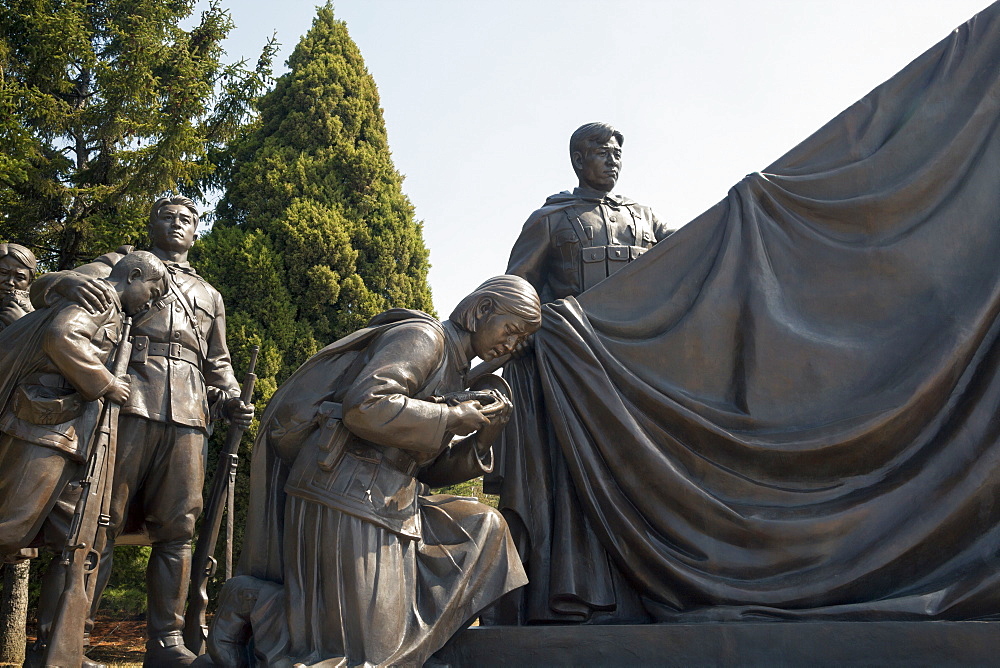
[789, 407]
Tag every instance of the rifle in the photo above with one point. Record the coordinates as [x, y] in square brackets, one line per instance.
[90, 521]
[195, 625]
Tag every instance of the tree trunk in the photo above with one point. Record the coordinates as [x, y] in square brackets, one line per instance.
[14, 613]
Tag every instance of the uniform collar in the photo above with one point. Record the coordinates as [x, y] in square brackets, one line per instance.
[597, 196]
[117, 302]
[174, 267]
[455, 350]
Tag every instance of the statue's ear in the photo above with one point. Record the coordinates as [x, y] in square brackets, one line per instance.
[484, 309]
[576, 157]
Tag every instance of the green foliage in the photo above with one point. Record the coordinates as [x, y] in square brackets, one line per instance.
[473, 488]
[313, 235]
[126, 590]
[105, 104]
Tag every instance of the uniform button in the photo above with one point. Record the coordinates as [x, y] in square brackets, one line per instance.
[177, 335]
[177, 308]
[614, 218]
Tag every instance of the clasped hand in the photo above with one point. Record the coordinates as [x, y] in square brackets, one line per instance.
[469, 416]
[239, 413]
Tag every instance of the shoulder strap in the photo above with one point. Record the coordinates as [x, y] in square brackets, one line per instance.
[192, 320]
[640, 225]
[581, 233]
[369, 334]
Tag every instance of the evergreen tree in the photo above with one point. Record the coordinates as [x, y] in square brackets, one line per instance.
[105, 104]
[314, 234]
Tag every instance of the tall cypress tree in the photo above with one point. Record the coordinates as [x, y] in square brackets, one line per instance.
[314, 235]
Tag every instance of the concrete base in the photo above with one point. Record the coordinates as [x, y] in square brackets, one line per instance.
[767, 644]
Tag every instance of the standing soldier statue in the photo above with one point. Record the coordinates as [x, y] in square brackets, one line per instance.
[580, 238]
[575, 241]
[182, 379]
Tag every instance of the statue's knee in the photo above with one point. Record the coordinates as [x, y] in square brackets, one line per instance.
[14, 535]
[493, 520]
[177, 532]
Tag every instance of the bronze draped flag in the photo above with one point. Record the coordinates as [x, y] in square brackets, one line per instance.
[791, 407]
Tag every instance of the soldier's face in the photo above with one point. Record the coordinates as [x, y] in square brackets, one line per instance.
[600, 167]
[13, 275]
[139, 293]
[173, 229]
[497, 335]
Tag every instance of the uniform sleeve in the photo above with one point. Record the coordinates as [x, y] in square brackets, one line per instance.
[379, 406]
[68, 343]
[660, 230]
[217, 366]
[529, 256]
[41, 289]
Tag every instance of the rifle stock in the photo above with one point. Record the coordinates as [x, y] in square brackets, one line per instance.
[204, 563]
[79, 556]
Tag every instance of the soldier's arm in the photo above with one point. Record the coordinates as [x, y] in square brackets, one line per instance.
[660, 230]
[379, 406]
[68, 343]
[462, 460]
[222, 387]
[81, 285]
[529, 256]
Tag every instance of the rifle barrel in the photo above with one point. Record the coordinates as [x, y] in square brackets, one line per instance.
[79, 556]
[204, 564]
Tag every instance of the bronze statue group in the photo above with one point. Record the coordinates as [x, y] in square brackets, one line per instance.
[113, 372]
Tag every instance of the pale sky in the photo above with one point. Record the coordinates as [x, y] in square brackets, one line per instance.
[480, 97]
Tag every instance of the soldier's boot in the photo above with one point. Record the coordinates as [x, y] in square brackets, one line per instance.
[166, 652]
[35, 656]
[167, 579]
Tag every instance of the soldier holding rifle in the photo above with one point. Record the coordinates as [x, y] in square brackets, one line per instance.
[53, 363]
[52, 368]
[182, 380]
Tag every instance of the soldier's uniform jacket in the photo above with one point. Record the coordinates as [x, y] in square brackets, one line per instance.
[364, 445]
[578, 239]
[180, 362]
[64, 368]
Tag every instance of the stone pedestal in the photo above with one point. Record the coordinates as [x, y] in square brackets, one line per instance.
[769, 644]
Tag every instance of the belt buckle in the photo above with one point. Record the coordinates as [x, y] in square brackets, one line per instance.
[174, 350]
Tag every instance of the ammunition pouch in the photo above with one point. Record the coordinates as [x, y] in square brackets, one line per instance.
[341, 471]
[599, 262]
[335, 435]
[46, 403]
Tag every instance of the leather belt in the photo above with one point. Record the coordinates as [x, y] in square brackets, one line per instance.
[172, 350]
[399, 460]
[390, 457]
